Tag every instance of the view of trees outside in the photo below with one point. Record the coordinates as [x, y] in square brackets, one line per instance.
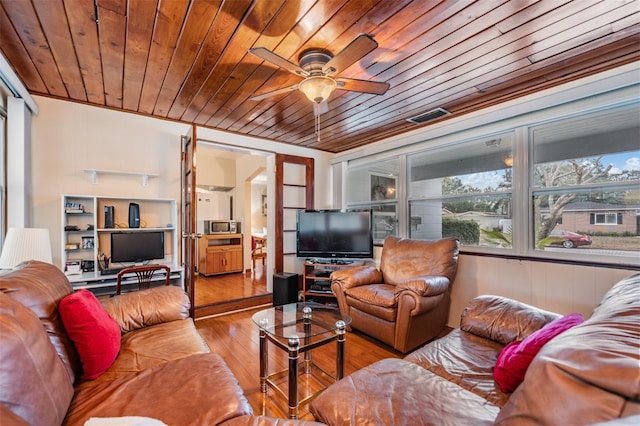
[580, 190]
[483, 215]
[598, 173]
[480, 201]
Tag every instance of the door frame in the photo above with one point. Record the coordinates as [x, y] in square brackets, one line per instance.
[188, 213]
[280, 203]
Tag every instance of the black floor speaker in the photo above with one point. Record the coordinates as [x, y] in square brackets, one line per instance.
[108, 216]
[285, 288]
[134, 215]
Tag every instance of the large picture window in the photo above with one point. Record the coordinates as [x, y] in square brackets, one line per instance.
[375, 186]
[566, 188]
[586, 183]
[463, 191]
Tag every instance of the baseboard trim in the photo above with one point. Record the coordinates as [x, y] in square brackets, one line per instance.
[232, 306]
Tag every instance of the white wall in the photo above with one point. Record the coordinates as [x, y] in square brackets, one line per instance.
[69, 137]
[247, 167]
[213, 170]
[555, 287]
[258, 220]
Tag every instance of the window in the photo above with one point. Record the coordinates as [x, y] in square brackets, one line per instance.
[463, 191]
[606, 218]
[586, 181]
[3, 162]
[375, 186]
[564, 188]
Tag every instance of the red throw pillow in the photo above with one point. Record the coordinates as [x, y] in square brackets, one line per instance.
[514, 359]
[95, 334]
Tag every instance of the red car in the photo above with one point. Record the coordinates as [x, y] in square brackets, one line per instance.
[568, 239]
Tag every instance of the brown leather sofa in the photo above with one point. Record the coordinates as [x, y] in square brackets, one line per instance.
[587, 375]
[406, 302]
[164, 369]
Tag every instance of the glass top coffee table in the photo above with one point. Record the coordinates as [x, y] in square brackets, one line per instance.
[296, 328]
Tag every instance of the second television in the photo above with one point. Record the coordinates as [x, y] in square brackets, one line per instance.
[334, 234]
[137, 247]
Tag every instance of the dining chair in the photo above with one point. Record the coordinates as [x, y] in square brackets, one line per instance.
[258, 250]
[144, 275]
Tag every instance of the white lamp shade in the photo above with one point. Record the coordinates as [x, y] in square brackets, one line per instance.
[23, 244]
[317, 88]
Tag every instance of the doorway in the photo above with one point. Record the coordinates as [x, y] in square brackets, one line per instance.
[232, 185]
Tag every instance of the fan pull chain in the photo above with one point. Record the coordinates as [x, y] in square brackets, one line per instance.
[318, 124]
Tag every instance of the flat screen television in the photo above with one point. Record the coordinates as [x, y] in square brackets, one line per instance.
[137, 246]
[334, 234]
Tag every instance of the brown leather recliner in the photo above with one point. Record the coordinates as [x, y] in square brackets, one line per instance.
[406, 302]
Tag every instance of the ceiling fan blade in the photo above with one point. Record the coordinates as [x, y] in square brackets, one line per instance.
[320, 108]
[358, 48]
[364, 86]
[278, 60]
[266, 95]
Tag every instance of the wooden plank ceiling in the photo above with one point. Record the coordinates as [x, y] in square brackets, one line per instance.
[188, 60]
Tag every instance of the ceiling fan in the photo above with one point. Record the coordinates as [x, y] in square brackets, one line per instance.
[319, 67]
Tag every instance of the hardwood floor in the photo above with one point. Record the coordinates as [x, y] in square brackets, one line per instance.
[230, 292]
[235, 338]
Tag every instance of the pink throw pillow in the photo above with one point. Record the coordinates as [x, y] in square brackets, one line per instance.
[95, 334]
[514, 359]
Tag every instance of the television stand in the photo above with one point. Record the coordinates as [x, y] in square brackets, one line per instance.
[317, 279]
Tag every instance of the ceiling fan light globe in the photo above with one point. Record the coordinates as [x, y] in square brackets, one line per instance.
[317, 88]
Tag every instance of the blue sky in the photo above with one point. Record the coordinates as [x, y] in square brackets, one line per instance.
[624, 161]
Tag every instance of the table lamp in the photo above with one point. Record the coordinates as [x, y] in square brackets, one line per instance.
[23, 244]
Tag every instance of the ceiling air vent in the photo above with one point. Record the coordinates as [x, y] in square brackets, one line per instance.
[428, 116]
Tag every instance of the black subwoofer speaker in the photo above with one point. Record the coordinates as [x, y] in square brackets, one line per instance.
[108, 216]
[285, 288]
[134, 215]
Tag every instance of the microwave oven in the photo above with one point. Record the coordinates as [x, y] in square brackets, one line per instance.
[221, 227]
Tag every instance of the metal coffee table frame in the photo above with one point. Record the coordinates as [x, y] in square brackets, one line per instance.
[315, 333]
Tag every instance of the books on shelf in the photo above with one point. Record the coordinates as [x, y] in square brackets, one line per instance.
[73, 207]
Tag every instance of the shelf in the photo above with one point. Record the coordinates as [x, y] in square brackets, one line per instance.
[318, 273]
[134, 229]
[320, 293]
[95, 172]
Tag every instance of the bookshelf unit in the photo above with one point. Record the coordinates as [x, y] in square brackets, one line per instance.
[78, 228]
[83, 245]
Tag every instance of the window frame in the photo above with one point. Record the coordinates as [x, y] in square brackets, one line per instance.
[371, 203]
[522, 190]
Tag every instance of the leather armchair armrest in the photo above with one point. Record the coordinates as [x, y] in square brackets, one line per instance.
[344, 279]
[144, 308]
[424, 286]
[357, 276]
